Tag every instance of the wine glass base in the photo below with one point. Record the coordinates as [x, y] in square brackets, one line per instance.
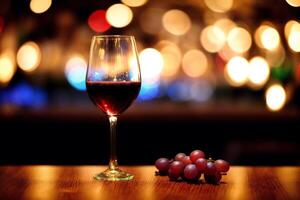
[114, 175]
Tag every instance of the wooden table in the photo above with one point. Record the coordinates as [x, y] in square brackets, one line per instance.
[75, 182]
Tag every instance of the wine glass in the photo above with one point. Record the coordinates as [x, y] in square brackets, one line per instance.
[113, 82]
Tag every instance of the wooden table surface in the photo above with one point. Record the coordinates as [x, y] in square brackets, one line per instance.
[76, 183]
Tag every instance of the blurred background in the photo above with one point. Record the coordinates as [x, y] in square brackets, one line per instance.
[218, 75]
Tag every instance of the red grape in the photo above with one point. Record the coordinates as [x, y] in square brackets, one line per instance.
[222, 165]
[186, 160]
[213, 178]
[196, 154]
[180, 156]
[191, 172]
[210, 168]
[175, 170]
[201, 164]
[162, 164]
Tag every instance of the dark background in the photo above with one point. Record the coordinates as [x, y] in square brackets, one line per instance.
[149, 131]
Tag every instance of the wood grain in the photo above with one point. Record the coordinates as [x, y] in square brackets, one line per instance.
[76, 183]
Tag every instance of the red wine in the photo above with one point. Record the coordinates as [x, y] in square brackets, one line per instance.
[113, 97]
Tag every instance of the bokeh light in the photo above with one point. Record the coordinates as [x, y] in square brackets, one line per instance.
[219, 6]
[258, 34]
[239, 40]
[258, 72]
[212, 39]
[150, 20]
[225, 25]
[199, 90]
[149, 91]
[289, 26]
[29, 56]
[294, 3]
[172, 58]
[1, 24]
[119, 15]
[75, 71]
[176, 22]
[270, 38]
[134, 3]
[97, 21]
[275, 97]
[294, 37]
[236, 71]
[40, 6]
[151, 62]
[7, 68]
[194, 63]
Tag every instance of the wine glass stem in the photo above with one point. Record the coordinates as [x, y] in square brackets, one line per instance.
[113, 163]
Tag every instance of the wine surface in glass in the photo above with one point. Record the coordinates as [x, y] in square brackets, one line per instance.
[113, 97]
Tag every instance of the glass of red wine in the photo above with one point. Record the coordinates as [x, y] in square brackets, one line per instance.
[113, 82]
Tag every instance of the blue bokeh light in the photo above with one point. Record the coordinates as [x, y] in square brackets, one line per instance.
[24, 95]
[149, 91]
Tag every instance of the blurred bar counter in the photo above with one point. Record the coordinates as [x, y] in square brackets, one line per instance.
[244, 135]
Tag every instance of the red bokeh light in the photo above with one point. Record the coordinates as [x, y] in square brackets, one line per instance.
[298, 73]
[1, 24]
[97, 21]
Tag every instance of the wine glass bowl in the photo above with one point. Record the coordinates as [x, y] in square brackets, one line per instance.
[113, 82]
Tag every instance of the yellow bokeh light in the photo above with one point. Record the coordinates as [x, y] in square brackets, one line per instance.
[239, 40]
[194, 63]
[29, 56]
[176, 22]
[258, 72]
[119, 15]
[7, 69]
[294, 37]
[172, 58]
[294, 3]
[275, 97]
[289, 26]
[225, 25]
[212, 38]
[134, 3]
[219, 6]
[40, 6]
[236, 71]
[258, 33]
[151, 62]
[270, 38]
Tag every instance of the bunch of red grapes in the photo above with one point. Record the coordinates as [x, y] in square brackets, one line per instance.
[190, 168]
